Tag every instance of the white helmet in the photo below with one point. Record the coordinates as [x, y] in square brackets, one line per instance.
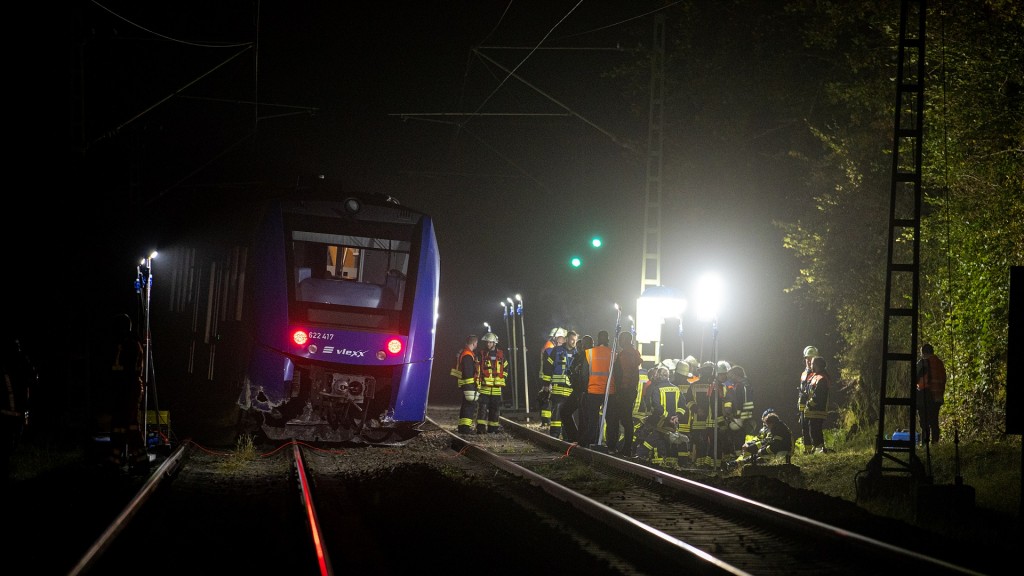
[561, 332]
[810, 351]
[490, 337]
[723, 366]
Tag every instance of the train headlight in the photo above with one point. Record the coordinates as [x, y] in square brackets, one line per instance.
[353, 205]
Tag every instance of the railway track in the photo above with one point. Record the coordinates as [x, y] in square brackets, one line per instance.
[544, 503]
[707, 529]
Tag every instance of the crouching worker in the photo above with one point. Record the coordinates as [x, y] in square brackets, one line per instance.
[659, 439]
[776, 443]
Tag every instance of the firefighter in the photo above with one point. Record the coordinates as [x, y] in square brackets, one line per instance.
[683, 375]
[819, 385]
[659, 437]
[466, 373]
[493, 366]
[556, 338]
[699, 409]
[738, 404]
[751, 447]
[776, 441]
[557, 367]
[802, 394]
[572, 408]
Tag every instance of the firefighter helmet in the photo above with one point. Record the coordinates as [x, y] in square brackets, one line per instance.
[723, 366]
[707, 369]
[561, 332]
[490, 337]
[810, 352]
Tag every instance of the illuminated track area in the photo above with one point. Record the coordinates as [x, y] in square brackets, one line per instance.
[706, 528]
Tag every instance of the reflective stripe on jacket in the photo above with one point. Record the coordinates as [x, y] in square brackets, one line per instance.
[466, 368]
[492, 367]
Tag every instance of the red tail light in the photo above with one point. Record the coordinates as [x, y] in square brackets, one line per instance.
[300, 337]
[394, 346]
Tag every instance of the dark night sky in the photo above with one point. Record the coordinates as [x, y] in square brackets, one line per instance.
[513, 195]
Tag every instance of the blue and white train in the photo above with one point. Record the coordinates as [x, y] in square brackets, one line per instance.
[317, 317]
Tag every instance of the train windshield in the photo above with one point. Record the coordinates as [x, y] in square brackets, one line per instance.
[349, 271]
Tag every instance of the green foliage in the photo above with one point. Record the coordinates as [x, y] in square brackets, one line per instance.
[972, 226]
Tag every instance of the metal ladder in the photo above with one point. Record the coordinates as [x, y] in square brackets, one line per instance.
[897, 393]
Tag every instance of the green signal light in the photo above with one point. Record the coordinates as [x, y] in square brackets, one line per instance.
[596, 242]
[576, 262]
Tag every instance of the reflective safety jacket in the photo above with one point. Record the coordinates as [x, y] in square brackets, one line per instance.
[557, 367]
[545, 353]
[600, 360]
[802, 390]
[467, 369]
[739, 401]
[818, 386]
[664, 401]
[493, 366]
[698, 405]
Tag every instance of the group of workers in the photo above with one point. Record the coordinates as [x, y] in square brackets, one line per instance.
[596, 393]
[480, 373]
[680, 413]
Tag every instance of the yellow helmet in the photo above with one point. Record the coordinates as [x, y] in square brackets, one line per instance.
[490, 337]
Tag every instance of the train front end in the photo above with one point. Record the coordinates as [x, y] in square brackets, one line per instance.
[345, 307]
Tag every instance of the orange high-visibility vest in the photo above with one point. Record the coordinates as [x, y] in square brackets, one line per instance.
[600, 360]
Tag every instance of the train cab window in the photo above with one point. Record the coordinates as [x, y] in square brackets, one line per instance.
[349, 271]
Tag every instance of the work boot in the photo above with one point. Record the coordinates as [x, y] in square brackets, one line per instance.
[463, 429]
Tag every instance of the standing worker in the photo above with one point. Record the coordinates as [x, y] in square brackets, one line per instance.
[493, 367]
[931, 391]
[599, 358]
[544, 384]
[127, 439]
[579, 375]
[558, 368]
[626, 382]
[466, 372]
[818, 387]
[802, 394]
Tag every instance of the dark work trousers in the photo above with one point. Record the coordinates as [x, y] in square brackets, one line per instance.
[928, 415]
[619, 425]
